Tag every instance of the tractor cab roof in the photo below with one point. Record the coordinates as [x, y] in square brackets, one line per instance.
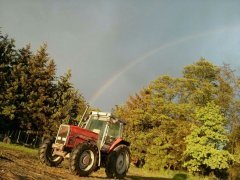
[105, 116]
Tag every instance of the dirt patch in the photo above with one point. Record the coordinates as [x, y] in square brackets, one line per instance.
[19, 165]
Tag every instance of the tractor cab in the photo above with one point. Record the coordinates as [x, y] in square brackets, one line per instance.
[106, 126]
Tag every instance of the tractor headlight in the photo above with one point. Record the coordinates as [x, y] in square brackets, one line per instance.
[62, 134]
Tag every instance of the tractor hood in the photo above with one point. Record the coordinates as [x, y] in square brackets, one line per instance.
[70, 135]
[85, 134]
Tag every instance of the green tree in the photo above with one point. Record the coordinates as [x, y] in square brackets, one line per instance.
[163, 113]
[201, 80]
[229, 98]
[17, 91]
[160, 122]
[8, 57]
[134, 112]
[69, 103]
[31, 96]
[40, 78]
[206, 145]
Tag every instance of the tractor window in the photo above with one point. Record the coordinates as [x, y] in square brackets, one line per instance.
[114, 130]
[96, 126]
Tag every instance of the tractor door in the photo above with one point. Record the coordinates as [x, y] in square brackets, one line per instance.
[100, 126]
[114, 132]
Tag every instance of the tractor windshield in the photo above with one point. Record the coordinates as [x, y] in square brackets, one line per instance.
[96, 125]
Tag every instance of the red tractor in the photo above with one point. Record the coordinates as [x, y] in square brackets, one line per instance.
[97, 143]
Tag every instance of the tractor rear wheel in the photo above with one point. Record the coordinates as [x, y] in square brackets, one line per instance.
[46, 153]
[84, 158]
[118, 162]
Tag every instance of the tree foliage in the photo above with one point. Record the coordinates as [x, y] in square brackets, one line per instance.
[206, 145]
[8, 56]
[161, 117]
[31, 95]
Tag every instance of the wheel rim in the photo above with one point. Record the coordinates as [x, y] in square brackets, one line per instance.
[122, 163]
[86, 160]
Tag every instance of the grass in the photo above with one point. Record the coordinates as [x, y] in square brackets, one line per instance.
[19, 148]
[161, 174]
[146, 173]
[141, 173]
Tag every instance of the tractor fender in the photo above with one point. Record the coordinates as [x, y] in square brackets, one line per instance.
[117, 142]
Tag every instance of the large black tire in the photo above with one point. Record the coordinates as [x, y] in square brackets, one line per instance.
[45, 154]
[118, 162]
[84, 158]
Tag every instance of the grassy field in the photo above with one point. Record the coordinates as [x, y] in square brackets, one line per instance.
[19, 148]
[16, 156]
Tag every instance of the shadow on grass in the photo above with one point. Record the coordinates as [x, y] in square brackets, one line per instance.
[179, 176]
[133, 177]
[95, 177]
[5, 158]
[7, 174]
[176, 177]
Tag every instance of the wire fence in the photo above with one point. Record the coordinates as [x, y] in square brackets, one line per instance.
[26, 138]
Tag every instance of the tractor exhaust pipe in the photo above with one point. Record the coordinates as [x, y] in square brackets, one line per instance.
[87, 107]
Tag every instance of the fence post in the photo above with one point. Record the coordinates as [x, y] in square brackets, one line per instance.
[35, 141]
[27, 138]
[11, 134]
[18, 136]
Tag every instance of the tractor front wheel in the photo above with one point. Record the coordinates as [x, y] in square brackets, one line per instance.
[46, 154]
[118, 162]
[83, 159]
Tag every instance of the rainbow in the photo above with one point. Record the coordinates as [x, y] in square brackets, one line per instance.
[146, 55]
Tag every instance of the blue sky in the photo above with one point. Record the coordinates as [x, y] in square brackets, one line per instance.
[115, 48]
